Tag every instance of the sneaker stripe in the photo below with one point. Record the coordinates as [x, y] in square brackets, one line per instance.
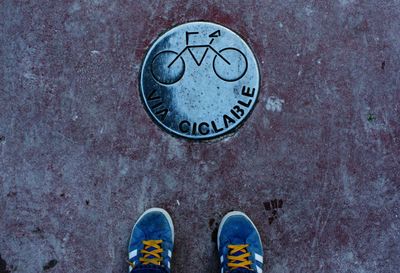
[169, 265]
[132, 254]
[258, 258]
[169, 253]
[222, 259]
[259, 270]
[222, 270]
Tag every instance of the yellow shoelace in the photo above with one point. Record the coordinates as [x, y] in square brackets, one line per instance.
[239, 261]
[154, 253]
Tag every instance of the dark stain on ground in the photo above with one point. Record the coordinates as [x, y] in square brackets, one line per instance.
[383, 65]
[2, 138]
[371, 117]
[50, 264]
[11, 194]
[213, 225]
[214, 234]
[273, 206]
[38, 231]
[87, 202]
[3, 266]
[211, 222]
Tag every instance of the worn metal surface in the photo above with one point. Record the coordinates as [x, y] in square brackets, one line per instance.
[81, 159]
[199, 81]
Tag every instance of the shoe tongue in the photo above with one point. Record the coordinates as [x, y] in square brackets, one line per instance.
[237, 241]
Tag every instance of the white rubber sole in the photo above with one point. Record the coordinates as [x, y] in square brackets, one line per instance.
[165, 213]
[234, 213]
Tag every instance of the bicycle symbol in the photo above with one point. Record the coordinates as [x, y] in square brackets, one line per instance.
[229, 64]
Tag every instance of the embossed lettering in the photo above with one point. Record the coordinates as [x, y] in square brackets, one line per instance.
[248, 92]
[185, 129]
[194, 128]
[235, 114]
[150, 96]
[227, 120]
[162, 113]
[202, 126]
[215, 128]
[238, 110]
[245, 104]
[156, 105]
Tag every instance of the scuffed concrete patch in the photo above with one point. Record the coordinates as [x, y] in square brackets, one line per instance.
[274, 104]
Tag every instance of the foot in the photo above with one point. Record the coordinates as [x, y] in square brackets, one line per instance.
[239, 244]
[151, 242]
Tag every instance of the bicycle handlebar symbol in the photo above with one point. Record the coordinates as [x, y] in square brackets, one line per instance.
[229, 64]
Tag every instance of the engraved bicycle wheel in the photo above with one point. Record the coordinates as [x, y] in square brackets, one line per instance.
[235, 69]
[166, 69]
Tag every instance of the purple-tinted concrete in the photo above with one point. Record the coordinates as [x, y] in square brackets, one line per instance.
[81, 159]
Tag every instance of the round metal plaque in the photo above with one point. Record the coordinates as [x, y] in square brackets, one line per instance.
[199, 80]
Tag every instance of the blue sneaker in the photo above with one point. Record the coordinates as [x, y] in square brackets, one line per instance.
[239, 244]
[151, 243]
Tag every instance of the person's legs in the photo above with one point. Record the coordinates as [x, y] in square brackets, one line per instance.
[151, 243]
[239, 244]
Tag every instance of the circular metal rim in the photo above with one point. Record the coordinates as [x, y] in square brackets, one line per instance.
[229, 132]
